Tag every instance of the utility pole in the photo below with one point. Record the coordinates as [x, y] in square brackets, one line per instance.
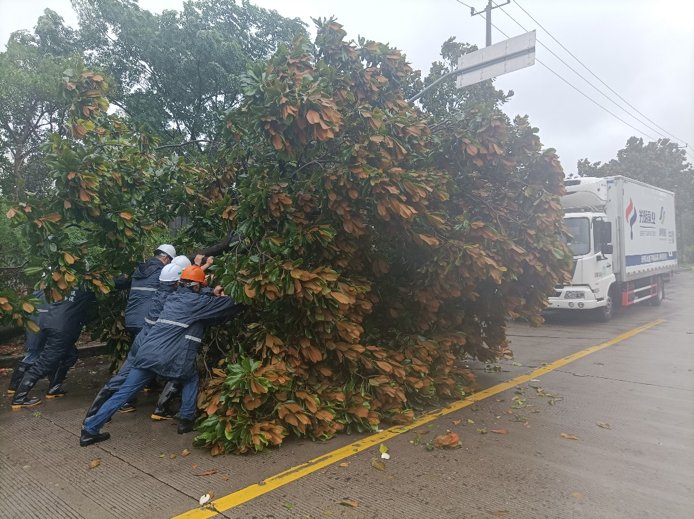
[488, 16]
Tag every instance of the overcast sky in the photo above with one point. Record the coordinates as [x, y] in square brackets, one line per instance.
[642, 49]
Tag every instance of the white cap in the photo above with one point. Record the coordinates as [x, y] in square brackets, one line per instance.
[170, 272]
[168, 250]
[181, 261]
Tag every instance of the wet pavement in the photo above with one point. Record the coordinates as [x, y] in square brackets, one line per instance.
[610, 435]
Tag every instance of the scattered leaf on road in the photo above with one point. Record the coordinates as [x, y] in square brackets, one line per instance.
[349, 502]
[482, 430]
[378, 464]
[577, 495]
[94, 463]
[172, 456]
[207, 472]
[456, 422]
[568, 436]
[185, 452]
[449, 440]
[604, 425]
[205, 499]
[470, 421]
[499, 431]
[344, 465]
[382, 448]
[289, 506]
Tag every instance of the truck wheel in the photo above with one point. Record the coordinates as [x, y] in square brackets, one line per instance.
[659, 294]
[605, 313]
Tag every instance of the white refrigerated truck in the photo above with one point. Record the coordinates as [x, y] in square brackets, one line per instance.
[623, 242]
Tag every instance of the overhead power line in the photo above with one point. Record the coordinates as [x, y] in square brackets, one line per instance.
[596, 77]
[597, 89]
[641, 132]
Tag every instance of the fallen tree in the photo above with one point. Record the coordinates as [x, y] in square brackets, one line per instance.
[374, 244]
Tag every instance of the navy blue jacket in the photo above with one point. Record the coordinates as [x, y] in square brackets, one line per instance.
[69, 315]
[155, 308]
[144, 283]
[171, 345]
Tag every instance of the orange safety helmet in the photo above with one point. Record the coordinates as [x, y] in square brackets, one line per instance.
[193, 273]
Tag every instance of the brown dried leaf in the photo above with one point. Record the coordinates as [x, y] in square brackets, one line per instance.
[349, 502]
[450, 440]
[568, 436]
[378, 464]
[499, 431]
[94, 463]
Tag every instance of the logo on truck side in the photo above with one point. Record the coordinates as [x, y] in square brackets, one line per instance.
[631, 215]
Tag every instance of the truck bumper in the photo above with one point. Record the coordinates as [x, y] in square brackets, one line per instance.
[574, 298]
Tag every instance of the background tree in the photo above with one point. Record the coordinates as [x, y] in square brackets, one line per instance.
[176, 73]
[661, 163]
[31, 103]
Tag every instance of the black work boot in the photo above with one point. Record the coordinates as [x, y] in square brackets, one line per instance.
[185, 425]
[162, 411]
[55, 392]
[55, 385]
[21, 396]
[87, 439]
[101, 397]
[17, 376]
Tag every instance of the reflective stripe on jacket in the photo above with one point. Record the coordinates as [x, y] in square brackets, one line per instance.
[171, 345]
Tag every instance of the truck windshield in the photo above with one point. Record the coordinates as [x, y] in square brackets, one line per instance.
[579, 241]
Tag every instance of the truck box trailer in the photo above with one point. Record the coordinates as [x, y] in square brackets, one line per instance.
[623, 240]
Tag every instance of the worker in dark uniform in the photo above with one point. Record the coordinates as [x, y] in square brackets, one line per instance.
[143, 284]
[168, 282]
[163, 410]
[169, 350]
[62, 325]
[33, 344]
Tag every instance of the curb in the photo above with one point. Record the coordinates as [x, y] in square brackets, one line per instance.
[87, 350]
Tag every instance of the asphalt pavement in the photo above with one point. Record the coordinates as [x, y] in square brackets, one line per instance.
[606, 433]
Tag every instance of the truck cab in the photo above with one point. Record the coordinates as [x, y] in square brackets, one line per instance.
[592, 276]
[590, 241]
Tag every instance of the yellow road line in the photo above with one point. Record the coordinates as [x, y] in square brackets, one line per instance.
[283, 478]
